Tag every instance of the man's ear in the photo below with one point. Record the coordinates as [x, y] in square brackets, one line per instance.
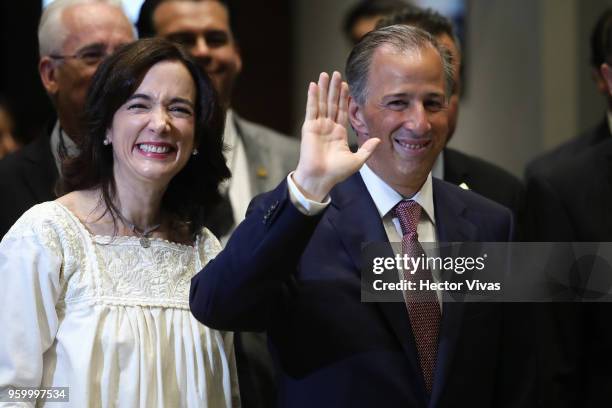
[48, 74]
[606, 72]
[356, 119]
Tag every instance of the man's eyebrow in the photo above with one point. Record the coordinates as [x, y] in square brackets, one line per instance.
[396, 95]
[94, 46]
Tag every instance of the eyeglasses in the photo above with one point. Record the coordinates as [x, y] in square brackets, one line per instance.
[89, 56]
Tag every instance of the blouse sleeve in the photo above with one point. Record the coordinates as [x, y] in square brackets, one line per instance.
[30, 267]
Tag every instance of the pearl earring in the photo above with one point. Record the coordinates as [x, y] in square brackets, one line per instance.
[106, 142]
[195, 152]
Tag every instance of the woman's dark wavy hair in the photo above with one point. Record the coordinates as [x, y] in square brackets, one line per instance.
[193, 192]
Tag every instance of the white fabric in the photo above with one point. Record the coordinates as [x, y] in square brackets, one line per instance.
[239, 185]
[108, 318]
[303, 204]
[385, 198]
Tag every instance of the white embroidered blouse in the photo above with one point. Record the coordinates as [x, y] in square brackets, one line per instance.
[107, 318]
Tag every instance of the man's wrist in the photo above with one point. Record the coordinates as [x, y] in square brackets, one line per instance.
[305, 205]
[313, 188]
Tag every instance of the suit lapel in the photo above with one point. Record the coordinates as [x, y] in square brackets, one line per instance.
[452, 226]
[455, 171]
[257, 157]
[352, 202]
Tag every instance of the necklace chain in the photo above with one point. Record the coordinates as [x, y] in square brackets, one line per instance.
[143, 233]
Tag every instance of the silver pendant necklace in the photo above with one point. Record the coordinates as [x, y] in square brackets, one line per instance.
[143, 233]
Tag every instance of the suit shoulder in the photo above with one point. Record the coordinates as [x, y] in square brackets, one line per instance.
[471, 200]
[578, 170]
[479, 167]
[271, 137]
[557, 156]
[12, 161]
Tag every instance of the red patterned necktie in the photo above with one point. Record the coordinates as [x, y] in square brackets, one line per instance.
[422, 305]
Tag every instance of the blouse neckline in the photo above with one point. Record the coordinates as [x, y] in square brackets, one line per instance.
[121, 239]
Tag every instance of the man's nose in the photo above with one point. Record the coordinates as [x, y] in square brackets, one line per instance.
[418, 120]
[200, 48]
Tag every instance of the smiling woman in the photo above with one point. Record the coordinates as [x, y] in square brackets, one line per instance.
[99, 279]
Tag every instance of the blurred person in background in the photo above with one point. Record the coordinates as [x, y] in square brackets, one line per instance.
[569, 200]
[258, 157]
[592, 137]
[365, 14]
[74, 37]
[7, 140]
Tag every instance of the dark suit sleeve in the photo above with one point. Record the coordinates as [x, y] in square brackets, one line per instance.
[251, 277]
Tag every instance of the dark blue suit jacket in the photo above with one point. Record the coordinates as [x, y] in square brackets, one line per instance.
[298, 277]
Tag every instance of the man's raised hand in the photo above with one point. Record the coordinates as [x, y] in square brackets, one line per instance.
[325, 157]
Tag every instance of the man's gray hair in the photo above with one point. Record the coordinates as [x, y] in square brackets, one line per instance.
[401, 38]
[51, 29]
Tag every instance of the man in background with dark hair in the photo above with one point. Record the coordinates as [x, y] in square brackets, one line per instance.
[601, 132]
[258, 157]
[452, 165]
[363, 16]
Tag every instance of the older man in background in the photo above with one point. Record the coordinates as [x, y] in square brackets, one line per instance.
[74, 37]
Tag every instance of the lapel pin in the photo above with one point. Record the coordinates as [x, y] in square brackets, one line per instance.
[464, 186]
[262, 172]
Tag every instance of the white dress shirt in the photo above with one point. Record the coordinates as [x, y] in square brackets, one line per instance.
[386, 198]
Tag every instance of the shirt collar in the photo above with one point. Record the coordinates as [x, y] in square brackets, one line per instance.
[229, 136]
[60, 141]
[385, 197]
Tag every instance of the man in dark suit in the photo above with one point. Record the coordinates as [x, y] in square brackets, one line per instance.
[293, 266]
[456, 167]
[571, 202]
[592, 137]
[73, 39]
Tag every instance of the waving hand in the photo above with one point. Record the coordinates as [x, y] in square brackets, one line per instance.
[325, 157]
